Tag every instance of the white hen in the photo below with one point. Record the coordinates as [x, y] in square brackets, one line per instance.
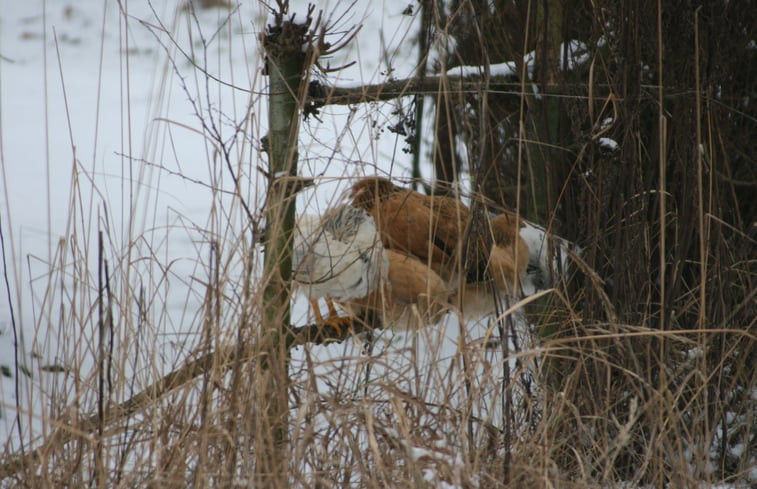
[338, 255]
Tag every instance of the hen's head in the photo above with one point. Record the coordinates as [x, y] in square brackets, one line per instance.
[366, 192]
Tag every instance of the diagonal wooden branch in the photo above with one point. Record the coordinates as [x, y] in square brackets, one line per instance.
[66, 429]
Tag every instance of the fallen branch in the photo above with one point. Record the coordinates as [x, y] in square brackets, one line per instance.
[66, 429]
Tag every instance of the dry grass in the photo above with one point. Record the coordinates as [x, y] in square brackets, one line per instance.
[610, 387]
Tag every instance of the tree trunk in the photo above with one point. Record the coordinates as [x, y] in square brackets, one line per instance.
[285, 65]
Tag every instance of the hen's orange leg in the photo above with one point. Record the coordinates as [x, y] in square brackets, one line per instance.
[332, 308]
[333, 320]
[316, 311]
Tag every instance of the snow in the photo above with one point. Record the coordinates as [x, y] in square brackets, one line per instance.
[608, 143]
[499, 69]
[572, 55]
[111, 103]
[536, 91]
[695, 352]
[606, 122]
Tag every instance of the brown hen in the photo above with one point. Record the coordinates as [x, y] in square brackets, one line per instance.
[412, 295]
[432, 230]
[427, 227]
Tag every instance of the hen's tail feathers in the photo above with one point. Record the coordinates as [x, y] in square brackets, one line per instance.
[548, 261]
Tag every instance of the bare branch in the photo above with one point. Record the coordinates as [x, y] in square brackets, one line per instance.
[321, 95]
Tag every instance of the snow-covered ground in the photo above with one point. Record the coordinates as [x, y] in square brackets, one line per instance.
[92, 95]
[101, 129]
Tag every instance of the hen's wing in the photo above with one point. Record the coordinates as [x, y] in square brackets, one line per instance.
[432, 229]
[413, 294]
[427, 227]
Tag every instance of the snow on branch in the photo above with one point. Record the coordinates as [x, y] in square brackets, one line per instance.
[320, 94]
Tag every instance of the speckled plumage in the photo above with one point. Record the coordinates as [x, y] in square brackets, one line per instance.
[338, 255]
